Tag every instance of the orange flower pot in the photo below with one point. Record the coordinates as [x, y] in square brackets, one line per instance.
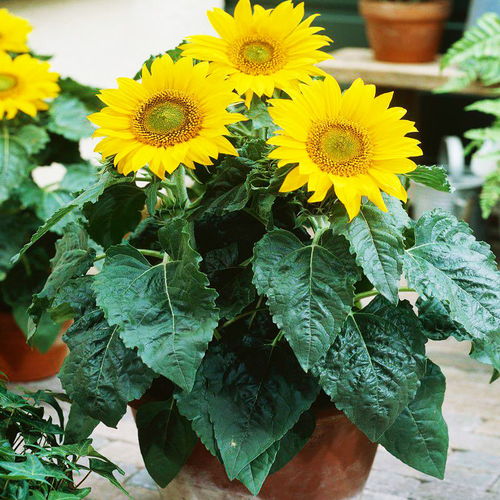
[405, 32]
[23, 363]
[333, 465]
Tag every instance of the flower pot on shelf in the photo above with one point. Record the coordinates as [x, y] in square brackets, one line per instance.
[405, 32]
[333, 465]
[23, 363]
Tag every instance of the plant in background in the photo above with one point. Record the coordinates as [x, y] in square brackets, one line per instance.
[42, 119]
[244, 297]
[37, 461]
[477, 56]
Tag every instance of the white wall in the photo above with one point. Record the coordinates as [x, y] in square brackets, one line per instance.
[96, 41]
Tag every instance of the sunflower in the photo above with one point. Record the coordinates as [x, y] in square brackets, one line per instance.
[24, 84]
[13, 32]
[352, 141]
[261, 50]
[176, 114]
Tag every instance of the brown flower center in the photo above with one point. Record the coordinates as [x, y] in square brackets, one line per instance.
[168, 118]
[339, 148]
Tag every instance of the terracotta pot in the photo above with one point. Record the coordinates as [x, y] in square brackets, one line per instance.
[405, 32]
[333, 465]
[22, 363]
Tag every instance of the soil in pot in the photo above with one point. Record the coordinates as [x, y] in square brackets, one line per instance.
[23, 363]
[405, 32]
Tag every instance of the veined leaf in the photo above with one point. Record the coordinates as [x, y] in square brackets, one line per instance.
[310, 289]
[100, 374]
[432, 176]
[32, 138]
[166, 439]
[166, 310]
[419, 436]
[245, 400]
[115, 213]
[14, 163]
[376, 239]
[448, 264]
[68, 117]
[373, 369]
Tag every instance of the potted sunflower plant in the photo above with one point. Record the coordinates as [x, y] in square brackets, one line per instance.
[42, 119]
[252, 316]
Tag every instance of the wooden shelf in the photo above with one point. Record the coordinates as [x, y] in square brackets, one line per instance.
[351, 63]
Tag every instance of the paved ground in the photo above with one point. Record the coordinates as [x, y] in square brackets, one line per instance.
[472, 410]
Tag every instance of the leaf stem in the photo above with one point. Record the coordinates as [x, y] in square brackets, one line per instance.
[241, 316]
[179, 187]
[371, 293]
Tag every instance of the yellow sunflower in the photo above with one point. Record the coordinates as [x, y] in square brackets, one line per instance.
[176, 114]
[352, 141]
[25, 82]
[261, 50]
[13, 32]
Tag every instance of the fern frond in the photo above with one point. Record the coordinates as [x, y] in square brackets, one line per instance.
[488, 106]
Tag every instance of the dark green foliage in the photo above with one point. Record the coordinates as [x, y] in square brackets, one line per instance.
[35, 464]
[419, 436]
[68, 117]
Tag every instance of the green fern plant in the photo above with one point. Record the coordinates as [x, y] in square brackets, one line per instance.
[476, 55]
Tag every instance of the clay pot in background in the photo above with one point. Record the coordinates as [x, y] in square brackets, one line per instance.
[333, 465]
[22, 363]
[405, 32]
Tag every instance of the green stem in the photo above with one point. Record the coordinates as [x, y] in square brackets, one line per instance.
[371, 293]
[241, 316]
[277, 338]
[144, 251]
[179, 187]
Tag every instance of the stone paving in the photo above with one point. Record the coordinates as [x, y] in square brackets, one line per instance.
[471, 408]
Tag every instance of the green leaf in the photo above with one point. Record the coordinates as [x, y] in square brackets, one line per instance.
[245, 399]
[310, 289]
[376, 238]
[236, 293]
[488, 106]
[115, 213]
[100, 374]
[73, 258]
[32, 468]
[106, 469]
[40, 336]
[294, 440]
[32, 138]
[15, 163]
[166, 440]
[68, 117]
[15, 228]
[487, 351]
[79, 426]
[449, 265]
[90, 195]
[78, 176]
[166, 310]
[373, 369]
[419, 436]
[490, 194]
[432, 176]
[436, 321]
[87, 95]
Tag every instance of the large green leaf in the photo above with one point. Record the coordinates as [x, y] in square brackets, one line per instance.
[100, 374]
[373, 369]
[448, 264]
[14, 163]
[68, 117]
[310, 289]
[166, 439]
[90, 195]
[245, 399]
[376, 239]
[73, 258]
[15, 228]
[432, 176]
[115, 213]
[165, 310]
[32, 138]
[419, 436]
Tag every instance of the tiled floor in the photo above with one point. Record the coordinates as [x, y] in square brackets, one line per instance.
[472, 410]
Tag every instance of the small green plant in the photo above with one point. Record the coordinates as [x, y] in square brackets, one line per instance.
[36, 462]
[477, 55]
